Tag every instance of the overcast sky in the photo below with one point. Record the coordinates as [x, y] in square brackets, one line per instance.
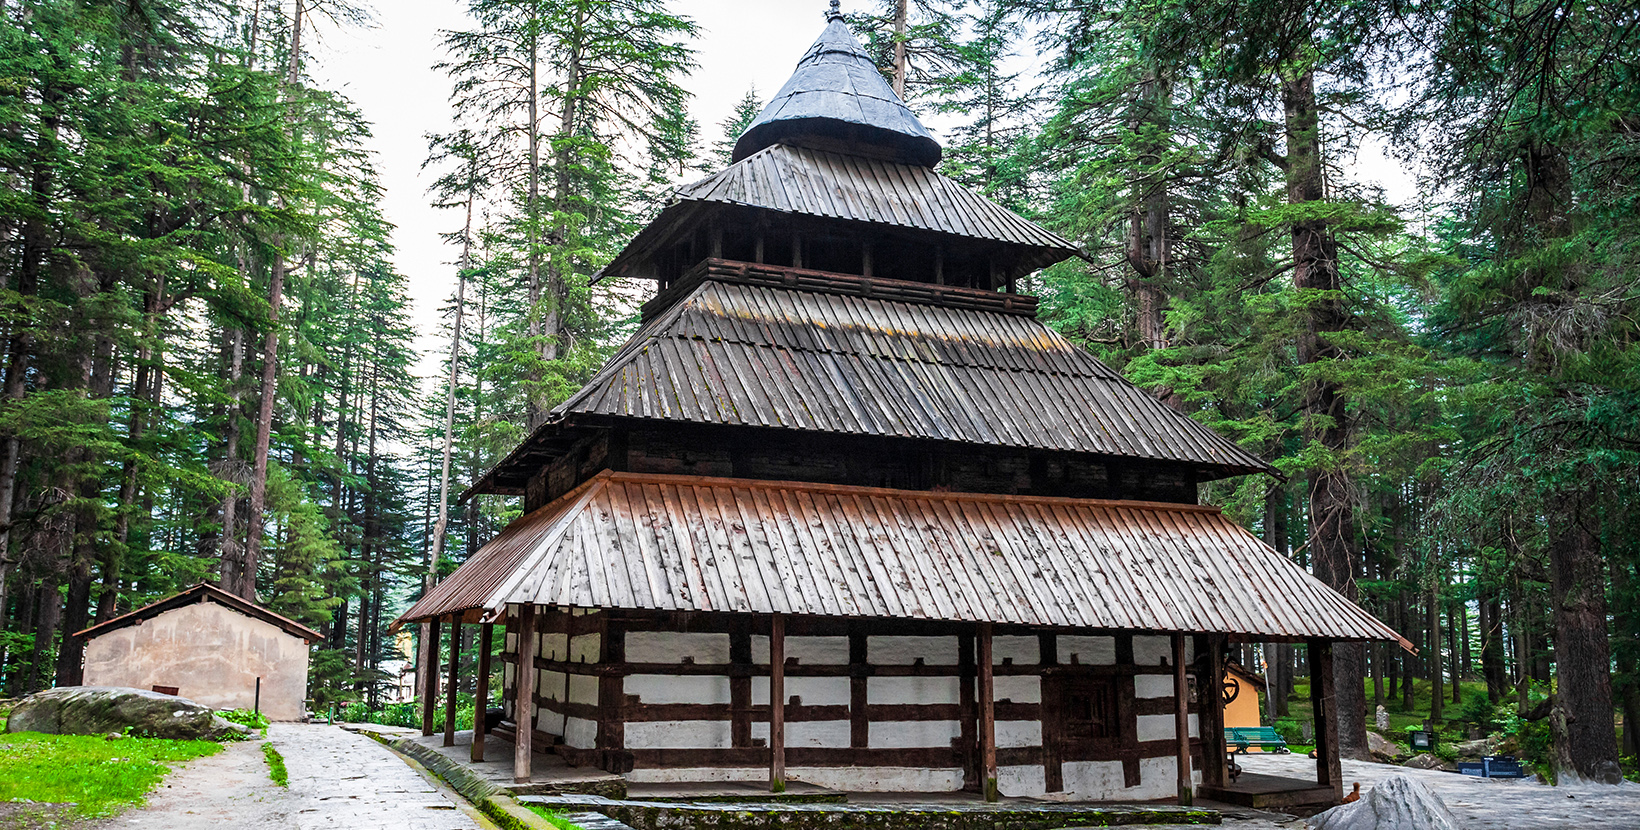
[387, 70]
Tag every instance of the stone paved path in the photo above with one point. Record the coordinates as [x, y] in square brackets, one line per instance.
[337, 780]
[1487, 803]
[349, 781]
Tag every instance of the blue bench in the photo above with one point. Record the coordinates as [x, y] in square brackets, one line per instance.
[1240, 738]
[1493, 766]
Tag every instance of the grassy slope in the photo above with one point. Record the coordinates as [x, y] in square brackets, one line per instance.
[98, 775]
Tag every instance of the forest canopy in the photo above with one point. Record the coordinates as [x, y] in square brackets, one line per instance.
[210, 372]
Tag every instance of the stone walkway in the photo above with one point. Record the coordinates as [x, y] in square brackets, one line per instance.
[1485, 803]
[337, 780]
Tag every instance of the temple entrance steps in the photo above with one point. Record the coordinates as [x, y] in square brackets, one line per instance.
[934, 814]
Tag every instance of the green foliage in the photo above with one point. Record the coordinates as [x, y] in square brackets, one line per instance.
[408, 713]
[276, 765]
[245, 717]
[97, 775]
[555, 819]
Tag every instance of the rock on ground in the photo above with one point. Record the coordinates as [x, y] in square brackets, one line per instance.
[1396, 803]
[1424, 761]
[1383, 748]
[98, 710]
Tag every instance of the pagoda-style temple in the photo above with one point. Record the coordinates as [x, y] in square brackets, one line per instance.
[844, 511]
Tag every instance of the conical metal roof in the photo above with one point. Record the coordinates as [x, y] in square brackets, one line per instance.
[837, 100]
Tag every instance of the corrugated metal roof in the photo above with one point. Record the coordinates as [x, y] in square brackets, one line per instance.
[689, 543]
[836, 84]
[835, 186]
[771, 356]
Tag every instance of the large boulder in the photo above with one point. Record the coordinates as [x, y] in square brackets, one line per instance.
[1382, 748]
[1425, 761]
[99, 710]
[1395, 803]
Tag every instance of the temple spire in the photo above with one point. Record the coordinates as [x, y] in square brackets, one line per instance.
[837, 100]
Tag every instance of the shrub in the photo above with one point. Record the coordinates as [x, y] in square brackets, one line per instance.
[245, 717]
[1290, 730]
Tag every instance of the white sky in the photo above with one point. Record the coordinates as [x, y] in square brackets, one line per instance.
[387, 71]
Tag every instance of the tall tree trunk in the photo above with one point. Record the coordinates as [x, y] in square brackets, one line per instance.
[899, 49]
[257, 508]
[437, 544]
[1583, 693]
[1332, 530]
[1437, 683]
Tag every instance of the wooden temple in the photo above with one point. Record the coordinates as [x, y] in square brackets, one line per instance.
[844, 511]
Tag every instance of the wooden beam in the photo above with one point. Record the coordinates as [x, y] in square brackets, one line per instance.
[777, 704]
[481, 690]
[939, 264]
[1210, 708]
[452, 686]
[1181, 720]
[797, 250]
[1324, 696]
[987, 715]
[865, 258]
[524, 697]
[429, 677]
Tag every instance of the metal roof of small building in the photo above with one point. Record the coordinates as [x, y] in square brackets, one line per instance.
[750, 350]
[837, 94]
[203, 592]
[692, 543]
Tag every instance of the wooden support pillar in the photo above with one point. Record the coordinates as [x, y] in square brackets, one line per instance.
[481, 690]
[797, 250]
[757, 250]
[939, 264]
[1210, 708]
[777, 704]
[987, 715]
[452, 686]
[429, 677]
[524, 696]
[866, 263]
[714, 245]
[1324, 696]
[1181, 720]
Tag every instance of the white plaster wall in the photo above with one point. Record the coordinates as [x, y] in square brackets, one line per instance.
[1024, 651]
[815, 691]
[1022, 781]
[655, 688]
[1152, 685]
[913, 734]
[848, 779]
[512, 642]
[1160, 727]
[913, 689]
[581, 733]
[809, 651]
[832, 734]
[549, 721]
[1015, 733]
[904, 651]
[1087, 651]
[583, 689]
[1017, 688]
[212, 654]
[684, 734]
[551, 685]
[1094, 779]
[1148, 650]
[585, 648]
[674, 647]
[555, 646]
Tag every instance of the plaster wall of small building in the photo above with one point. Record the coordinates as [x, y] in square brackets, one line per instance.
[212, 654]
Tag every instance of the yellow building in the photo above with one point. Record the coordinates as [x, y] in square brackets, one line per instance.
[1241, 688]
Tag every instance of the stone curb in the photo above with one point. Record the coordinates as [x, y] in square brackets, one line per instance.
[491, 800]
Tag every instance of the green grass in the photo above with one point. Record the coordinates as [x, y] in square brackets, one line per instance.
[276, 765]
[554, 819]
[99, 776]
[244, 717]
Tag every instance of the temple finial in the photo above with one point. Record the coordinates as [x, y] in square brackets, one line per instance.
[836, 12]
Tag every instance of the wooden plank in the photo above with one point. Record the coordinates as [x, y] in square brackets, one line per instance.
[523, 705]
[1323, 694]
[429, 677]
[968, 710]
[777, 703]
[1181, 720]
[859, 670]
[1210, 708]
[453, 684]
[481, 690]
[740, 685]
[987, 715]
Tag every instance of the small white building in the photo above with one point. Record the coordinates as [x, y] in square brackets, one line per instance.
[209, 646]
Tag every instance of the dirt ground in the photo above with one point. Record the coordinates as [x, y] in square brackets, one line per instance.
[229, 789]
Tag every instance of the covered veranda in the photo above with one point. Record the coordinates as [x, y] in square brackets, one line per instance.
[1206, 571]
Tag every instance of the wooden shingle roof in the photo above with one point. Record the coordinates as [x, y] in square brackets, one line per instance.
[692, 543]
[742, 348]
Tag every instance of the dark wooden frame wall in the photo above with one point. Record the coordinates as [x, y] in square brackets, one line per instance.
[615, 709]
